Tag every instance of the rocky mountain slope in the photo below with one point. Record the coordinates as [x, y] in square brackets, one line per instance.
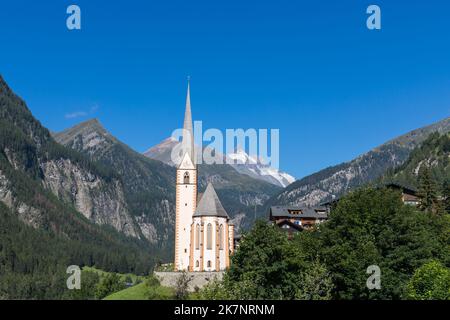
[433, 154]
[337, 180]
[241, 162]
[93, 190]
[163, 150]
[149, 185]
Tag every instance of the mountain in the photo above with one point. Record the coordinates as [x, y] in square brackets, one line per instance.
[337, 180]
[57, 208]
[434, 154]
[149, 185]
[241, 162]
[251, 166]
[162, 151]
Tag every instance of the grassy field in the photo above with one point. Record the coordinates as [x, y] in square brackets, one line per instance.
[144, 288]
[137, 292]
[123, 276]
[143, 291]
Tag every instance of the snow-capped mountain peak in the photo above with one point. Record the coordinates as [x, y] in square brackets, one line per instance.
[253, 167]
[241, 157]
[239, 160]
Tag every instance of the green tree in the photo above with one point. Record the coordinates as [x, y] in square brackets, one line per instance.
[214, 290]
[89, 282]
[430, 282]
[428, 192]
[368, 227]
[182, 286]
[156, 292]
[316, 283]
[446, 196]
[269, 266]
[109, 284]
[263, 264]
[373, 227]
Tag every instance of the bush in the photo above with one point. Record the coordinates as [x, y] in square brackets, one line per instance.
[157, 292]
[109, 284]
[430, 282]
[182, 285]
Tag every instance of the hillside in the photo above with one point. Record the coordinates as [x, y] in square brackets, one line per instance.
[57, 208]
[338, 180]
[434, 154]
[149, 185]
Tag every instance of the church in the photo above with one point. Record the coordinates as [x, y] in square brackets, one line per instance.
[203, 232]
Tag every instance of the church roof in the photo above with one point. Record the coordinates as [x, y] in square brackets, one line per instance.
[210, 204]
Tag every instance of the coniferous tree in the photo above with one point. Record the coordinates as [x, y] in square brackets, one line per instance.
[427, 190]
[446, 196]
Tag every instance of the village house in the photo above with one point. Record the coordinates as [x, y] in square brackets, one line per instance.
[293, 219]
[409, 195]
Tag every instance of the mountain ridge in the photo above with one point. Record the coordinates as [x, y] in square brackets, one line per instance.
[148, 184]
[433, 154]
[238, 160]
[336, 180]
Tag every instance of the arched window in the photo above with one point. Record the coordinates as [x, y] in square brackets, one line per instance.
[209, 236]
[221, 237]
[197, 236]
[197, 264]
[186, 177]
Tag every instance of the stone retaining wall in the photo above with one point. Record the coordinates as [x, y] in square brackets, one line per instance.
[198, 279]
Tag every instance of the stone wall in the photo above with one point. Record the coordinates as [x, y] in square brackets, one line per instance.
[198, 279]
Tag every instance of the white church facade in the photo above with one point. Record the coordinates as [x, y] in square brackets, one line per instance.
[203, 232]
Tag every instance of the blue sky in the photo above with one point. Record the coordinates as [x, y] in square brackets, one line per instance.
[309, 68]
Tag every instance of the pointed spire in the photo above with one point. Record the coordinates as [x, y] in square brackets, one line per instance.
[188, 125]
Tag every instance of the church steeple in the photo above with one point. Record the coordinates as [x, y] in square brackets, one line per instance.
[208, 222]
[186, 193]
[188, 134]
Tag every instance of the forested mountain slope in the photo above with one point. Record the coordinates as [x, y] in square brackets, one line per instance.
[337, 180]
[57, 204]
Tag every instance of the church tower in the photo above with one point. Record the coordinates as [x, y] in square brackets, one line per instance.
[186, 193]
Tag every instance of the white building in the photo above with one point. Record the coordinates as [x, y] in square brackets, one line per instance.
[203, 234]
